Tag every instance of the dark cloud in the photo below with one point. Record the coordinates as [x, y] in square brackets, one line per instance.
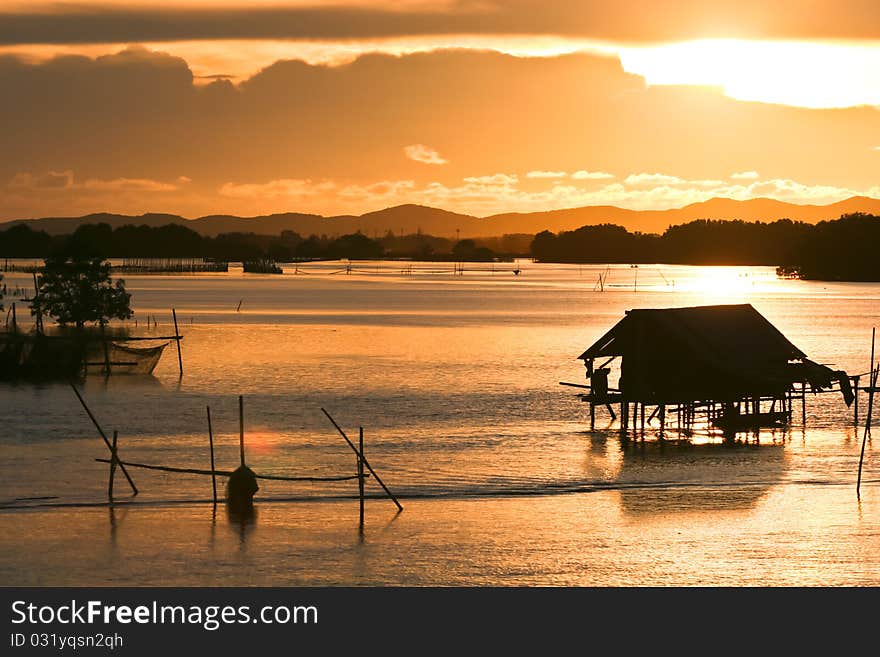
[137, 116]
[627, 20]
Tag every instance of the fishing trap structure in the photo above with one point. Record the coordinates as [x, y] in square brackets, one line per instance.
[242, 483]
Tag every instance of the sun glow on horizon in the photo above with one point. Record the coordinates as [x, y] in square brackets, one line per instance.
[800, 73]
[727, 283]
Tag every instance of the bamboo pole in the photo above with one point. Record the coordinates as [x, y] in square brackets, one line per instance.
[177, 340]
[151, 337]
[856, 401]
[106, 351]
[224, 473]
[875, 372]
[103, 436]
[360, 471]
[867, 433]
[366, 463]
[804, 403]
[113, 460]
[36, 306]
[241, 426]
[211, 445]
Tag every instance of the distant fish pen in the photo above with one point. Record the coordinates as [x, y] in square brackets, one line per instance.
[261, 267]
[30, 268]
[725, 369]
[74, 354]
[170, 266]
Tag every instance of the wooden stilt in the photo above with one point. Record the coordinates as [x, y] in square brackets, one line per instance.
[38, 318]
[875, 372]
[211, 445]
[856, 401]
[592, 415]
[360, 471]
[106, 351]
[177, 340]
[113, 460]
[873, 383]
[804, 403]
[241, 426]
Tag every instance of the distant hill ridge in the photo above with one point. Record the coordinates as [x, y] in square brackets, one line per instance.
[434, 221]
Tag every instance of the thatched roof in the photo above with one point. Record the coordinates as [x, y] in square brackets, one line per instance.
[719, 332]
[706, 352]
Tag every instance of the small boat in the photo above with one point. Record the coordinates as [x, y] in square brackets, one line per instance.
[124, 359]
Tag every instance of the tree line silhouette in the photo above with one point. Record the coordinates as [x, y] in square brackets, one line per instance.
[841, 249]
[175, 241]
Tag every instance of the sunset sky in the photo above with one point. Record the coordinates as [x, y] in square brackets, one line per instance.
[197, 107]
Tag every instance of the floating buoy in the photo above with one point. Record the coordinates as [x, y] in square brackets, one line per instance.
[241, 488]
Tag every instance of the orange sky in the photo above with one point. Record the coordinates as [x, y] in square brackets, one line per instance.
[209, 106]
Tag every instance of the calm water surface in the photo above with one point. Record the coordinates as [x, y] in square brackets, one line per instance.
[455, 381]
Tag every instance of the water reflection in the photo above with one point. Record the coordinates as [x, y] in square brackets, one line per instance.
[457, 380]
[125, 383]
[243, 521]
[680, 476]
[116, 518]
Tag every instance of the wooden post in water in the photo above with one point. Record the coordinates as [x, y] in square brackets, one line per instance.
[856, 401]
[873, 383]
[211, 445]
[872, 378]
[365, 461]
[14, 322]
[875, 372]
[177, 340]
[106, 351]
[360, 472]
[113, 461]
[804, 403]
[36, 306]
[103, 436]
[241, 426]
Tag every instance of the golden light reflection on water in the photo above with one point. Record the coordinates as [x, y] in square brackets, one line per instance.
[722, 284]
[457, 388]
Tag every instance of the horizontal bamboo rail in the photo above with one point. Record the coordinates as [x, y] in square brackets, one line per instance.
[223, 473]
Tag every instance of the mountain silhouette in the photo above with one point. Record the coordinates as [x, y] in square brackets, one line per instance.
[410, 218]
